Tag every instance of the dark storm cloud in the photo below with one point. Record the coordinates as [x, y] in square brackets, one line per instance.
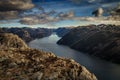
[10, 5]
[9, 9]
[8, 15]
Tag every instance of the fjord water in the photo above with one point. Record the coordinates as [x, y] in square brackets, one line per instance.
[104, 70]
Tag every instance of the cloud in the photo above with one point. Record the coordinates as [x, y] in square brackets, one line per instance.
[8, 15]
[46, 17]
[31, 20]
[91, 1]
[10, 5]
[10, 9]
[86, 1]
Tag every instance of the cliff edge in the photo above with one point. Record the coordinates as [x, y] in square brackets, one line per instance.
[23, 63]
[9, 40]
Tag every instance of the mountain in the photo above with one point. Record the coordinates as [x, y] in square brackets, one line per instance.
[62, 31]
[102, 41]
[19, 62]
[28, 34]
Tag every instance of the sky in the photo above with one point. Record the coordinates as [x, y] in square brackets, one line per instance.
[50, 13]
[76, 1]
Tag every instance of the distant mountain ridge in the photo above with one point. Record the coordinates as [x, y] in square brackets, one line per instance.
[63, 31]
[28, 34]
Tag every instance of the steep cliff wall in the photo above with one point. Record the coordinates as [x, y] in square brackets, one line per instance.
[101, 40]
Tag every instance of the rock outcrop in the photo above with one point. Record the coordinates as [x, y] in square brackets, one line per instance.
[8, 40]
[31, 64]
[101, 40]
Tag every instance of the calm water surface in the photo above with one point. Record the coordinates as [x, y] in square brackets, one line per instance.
[102, 69]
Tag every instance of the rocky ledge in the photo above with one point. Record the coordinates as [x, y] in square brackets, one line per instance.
[24, 63]
[11, 41]
[99, 40]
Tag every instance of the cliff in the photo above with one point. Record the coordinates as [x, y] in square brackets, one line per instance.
[102, 41]
[18, 63]
[28, 34]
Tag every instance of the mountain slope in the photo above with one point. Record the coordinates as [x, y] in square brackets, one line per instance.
[101, 40]
[28, 34]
